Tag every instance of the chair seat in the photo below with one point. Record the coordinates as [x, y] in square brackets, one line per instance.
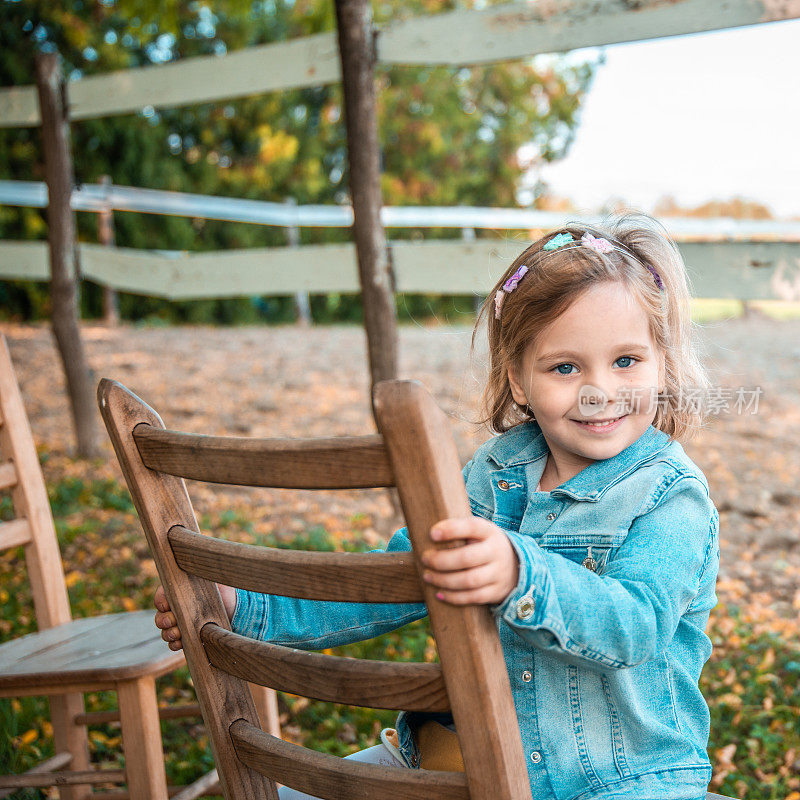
[100, 649]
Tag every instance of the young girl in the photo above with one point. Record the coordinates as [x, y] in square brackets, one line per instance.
[594, 539]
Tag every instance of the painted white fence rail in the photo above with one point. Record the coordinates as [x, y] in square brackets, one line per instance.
[743, 270]
[745, 259]
[92, 197]
[512, 31]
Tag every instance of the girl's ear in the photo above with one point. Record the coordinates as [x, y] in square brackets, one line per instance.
[516, 387]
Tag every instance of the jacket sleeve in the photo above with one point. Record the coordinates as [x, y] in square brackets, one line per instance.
[318, 624]
[630, 612]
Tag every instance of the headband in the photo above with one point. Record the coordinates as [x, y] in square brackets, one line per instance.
[596, 243]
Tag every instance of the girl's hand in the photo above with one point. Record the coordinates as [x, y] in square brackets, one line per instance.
[483, 570]
[165, 619]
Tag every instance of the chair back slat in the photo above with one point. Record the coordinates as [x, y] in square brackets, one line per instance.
[352, 462]
[357, 682]
[344, 577]
[8, 476]
[162, 502]
[14, 533]
[33, 524]
[333, 778]
[431, 488]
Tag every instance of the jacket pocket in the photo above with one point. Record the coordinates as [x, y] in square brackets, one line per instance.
[592, 550]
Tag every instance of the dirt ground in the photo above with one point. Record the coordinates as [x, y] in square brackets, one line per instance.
[311, 382]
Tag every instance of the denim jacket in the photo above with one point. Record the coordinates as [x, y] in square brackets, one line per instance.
[603, 635]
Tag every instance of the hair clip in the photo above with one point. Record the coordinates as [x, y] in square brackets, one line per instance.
[559, 241]
[596, 243]
[508, 287]
[657, 277]
[514, 280]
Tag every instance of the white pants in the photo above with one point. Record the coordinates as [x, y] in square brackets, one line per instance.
[380, 754]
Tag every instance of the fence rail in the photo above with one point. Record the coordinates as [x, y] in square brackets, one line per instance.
[456, 38]
[90, 197]
[743, 270]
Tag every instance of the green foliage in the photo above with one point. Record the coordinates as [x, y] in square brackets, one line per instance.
[450, 135]
[755, 713]
[17, 718]
[75, 495]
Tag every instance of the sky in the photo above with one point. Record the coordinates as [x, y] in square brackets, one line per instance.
[700, 117]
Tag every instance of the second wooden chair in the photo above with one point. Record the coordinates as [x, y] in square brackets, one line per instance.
[68, 657]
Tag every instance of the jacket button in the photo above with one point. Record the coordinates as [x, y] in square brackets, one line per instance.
[502, 485]
[552, 515]
[525, 607]
[527, 676]
[536, 756]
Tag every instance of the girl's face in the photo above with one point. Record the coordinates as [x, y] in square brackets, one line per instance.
[596, 362]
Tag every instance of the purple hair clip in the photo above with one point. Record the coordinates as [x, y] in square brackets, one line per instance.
[657, 277]
[514, 280]
[508, 287]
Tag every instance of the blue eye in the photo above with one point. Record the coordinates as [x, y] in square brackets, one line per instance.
[630, 359]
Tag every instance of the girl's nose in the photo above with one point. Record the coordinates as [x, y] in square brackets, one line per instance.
[603, 387]
[596, 395]
[592, 399]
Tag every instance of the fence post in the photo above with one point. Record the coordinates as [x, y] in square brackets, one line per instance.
[64, 273]
[357, 52]
[301, 301]
[105, 230]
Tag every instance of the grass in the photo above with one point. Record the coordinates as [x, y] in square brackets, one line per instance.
[752, 682]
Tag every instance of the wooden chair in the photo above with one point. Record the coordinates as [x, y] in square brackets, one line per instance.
[67, 658]
[415, 453]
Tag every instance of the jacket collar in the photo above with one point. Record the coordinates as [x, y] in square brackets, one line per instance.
[525, 443]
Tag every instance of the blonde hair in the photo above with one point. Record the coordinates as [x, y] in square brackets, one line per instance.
[554, 281]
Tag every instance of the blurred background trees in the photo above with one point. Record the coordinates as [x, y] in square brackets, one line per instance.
[451, 136]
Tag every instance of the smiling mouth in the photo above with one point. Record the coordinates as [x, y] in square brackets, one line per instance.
[600, 424]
